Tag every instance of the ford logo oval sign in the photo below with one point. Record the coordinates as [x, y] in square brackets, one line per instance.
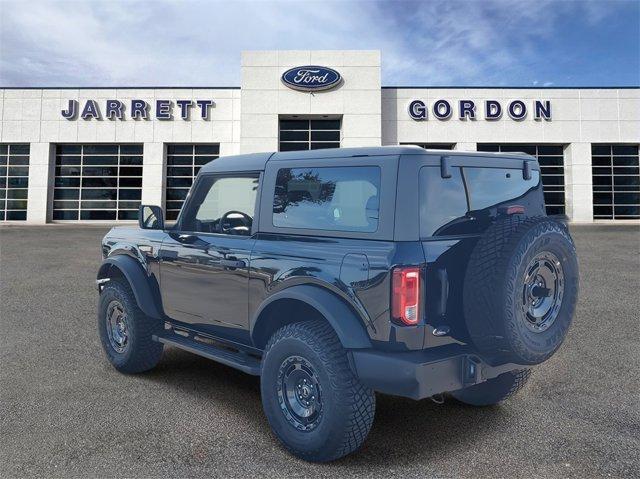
[311, 78]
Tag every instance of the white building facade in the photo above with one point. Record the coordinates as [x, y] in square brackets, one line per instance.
[93, 155]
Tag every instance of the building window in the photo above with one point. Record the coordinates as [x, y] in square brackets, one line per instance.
[14, 182]
[433, 146]
[616, 182]
[97, 182]
[183, 164]
[551, 159]
[298, 135]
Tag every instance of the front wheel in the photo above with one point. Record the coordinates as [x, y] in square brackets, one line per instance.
[125, 331]
[316, 406]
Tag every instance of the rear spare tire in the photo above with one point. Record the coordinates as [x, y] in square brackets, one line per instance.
[520, 289]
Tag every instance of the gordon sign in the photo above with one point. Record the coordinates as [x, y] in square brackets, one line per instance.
[137, 109]
[491, 109]
[311, 78]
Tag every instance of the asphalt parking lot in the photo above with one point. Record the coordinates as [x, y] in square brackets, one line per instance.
[65, 412]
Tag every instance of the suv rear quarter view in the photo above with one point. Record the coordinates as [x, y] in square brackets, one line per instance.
[335, 274]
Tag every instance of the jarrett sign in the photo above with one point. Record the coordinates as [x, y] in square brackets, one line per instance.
[488, 109]
[137, 109]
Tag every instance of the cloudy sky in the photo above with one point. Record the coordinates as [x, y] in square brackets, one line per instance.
[191, 43]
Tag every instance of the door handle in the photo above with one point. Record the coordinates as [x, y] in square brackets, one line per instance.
[167, 254]
[186, 238]
[232, 263]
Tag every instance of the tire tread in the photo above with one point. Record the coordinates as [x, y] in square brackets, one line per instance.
[485, 282]
[145, 352]
[359, 400]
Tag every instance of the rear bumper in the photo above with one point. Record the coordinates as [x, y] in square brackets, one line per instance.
[421, 374]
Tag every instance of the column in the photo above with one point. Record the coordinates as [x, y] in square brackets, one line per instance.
[578, 182]
[41, 179]
[466, 147]
[153, 174]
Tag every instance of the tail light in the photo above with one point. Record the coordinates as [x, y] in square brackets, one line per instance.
[405, 294]
[511, 210]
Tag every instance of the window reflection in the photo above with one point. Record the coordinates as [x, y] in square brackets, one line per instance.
[492, 186]
[441, 201]
[335, 199]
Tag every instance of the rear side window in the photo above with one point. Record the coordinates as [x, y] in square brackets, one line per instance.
[492, 186]
[327, 198]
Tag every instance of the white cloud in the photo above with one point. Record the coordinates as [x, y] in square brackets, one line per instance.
[199, 43]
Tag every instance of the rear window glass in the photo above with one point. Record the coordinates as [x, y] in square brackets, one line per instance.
[442, 201]
[333, 199]
[491, 186]
[445, 203]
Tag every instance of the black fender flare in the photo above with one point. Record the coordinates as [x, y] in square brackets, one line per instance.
[138, 280]
[347, 324]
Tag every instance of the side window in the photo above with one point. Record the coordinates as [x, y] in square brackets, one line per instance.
[327, 198]
[222, 204]
[443, 202]
[492, 186]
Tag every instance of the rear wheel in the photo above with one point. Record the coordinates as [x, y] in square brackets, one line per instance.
[125, 331]
[315, 405]
[493, 391]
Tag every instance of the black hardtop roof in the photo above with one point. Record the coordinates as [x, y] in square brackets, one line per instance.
[258, 161]
[248, 162]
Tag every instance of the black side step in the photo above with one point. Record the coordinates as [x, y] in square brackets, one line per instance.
[236, 359]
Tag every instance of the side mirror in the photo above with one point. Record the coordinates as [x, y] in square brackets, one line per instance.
[150, 217]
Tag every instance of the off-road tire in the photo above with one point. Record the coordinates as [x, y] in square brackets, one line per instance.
[141, 352]
[347, 406]
[493, 391]
[493, 288]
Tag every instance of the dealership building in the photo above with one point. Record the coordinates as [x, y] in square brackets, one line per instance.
[94, 154]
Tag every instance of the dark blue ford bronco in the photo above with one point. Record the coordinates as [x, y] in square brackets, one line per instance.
[333, 274]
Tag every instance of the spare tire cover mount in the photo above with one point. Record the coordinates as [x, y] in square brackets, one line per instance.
[542, 291]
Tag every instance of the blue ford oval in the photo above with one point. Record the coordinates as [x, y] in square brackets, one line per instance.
[311, 78]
